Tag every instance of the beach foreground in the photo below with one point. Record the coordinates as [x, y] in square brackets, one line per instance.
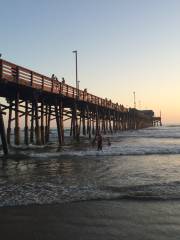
[129, 190]
[92, 220]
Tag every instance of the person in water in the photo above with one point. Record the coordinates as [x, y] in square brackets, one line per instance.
[99, 142]
[94, 140]
[108, 141]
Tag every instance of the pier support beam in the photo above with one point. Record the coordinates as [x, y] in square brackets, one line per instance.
[37, 129]
[32, 125]
[9, 122]
[42, 124]
[59, 122]
[84, 122]
[26, 129]
[97, 121]
[48, 121]
[61, 110]
[17, 128]
[3, 134]
[88, 122]
[74, 123]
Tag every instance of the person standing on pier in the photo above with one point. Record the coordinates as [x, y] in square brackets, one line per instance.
[53, 76]
[63, 80]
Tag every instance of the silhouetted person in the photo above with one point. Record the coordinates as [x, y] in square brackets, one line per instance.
[54, 77]
[108, 142]
[78, 136]
[63, 81]
[99, 142]
[94, 140]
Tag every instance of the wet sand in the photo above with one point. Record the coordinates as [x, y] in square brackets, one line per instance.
[92, 220]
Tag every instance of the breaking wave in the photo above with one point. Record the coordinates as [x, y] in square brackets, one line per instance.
[46, 175]
[121, 151]
[49, 193]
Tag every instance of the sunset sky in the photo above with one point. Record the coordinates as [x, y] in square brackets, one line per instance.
[123, 46]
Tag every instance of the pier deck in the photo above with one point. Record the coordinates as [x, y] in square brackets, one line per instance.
[39, 99]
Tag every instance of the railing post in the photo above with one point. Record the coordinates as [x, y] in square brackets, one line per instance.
[42, 82]
[31, 79]
[60, 88]
[1, 69]
[17, 74]
[52, 88]
[67, 90]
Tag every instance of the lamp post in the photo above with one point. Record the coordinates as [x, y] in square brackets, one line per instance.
[77, 82]
[134, 99]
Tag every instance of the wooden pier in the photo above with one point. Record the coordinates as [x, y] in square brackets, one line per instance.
[32, 101]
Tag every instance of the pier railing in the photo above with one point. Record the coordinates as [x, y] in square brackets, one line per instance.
[23, 76]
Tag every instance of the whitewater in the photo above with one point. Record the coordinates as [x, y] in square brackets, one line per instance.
[140, 165]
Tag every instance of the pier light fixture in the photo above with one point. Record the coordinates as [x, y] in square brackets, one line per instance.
[134, 94]
[77, 82]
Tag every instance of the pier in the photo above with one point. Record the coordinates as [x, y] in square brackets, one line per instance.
[32, 101]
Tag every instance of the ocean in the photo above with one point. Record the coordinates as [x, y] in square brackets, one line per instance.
[129, 190]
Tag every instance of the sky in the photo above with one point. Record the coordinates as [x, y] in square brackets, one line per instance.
[123, 46]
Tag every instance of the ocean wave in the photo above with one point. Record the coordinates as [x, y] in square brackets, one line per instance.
[50, 193]
[41, 180]
[165, 136]
[155, 135]
[173, 126]
[108, 152]
[164, 191]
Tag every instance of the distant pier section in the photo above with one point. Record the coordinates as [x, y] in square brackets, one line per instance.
[32, 101]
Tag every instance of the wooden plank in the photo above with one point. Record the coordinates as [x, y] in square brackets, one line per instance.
[46, 88]
[8, 78]
[24, 82]
[24, 72]
[9, 64]
[28, 79]
[7, 72]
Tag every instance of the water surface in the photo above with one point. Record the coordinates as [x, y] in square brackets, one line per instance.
[132, 184]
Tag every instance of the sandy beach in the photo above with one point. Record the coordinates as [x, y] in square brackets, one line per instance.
[92, 220]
